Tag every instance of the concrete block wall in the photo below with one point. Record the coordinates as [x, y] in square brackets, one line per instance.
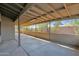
[7, 29]
[60, 38]
[65, 38]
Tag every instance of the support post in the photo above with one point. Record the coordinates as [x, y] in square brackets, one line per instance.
[19, 41]
[0, 28]
[49, 30]
[35, 28]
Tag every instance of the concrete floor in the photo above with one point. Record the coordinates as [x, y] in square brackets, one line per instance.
[10, 48]
[35, 47]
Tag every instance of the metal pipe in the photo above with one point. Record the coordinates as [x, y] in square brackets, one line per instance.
[0, 27]
[19, 41]
[49, 29]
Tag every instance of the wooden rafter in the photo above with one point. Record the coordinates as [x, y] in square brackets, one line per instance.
[27, 16]
[36, 13]
[31, 14]
[6, 4]
[19, 5]
[43, 10]
[55, 10]
[43, 17]
[39, 14]
[66, 8]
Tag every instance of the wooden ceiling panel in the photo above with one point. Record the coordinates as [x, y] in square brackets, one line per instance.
[57, 5]
[37, 10]
[32, 13]
[44, 6]
[63, 12]
[74, 9]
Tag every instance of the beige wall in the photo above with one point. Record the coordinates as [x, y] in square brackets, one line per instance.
[7, 29]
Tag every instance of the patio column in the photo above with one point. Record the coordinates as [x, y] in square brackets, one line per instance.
[19, 40]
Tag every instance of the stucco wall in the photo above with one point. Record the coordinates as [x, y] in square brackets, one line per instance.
[7, 29]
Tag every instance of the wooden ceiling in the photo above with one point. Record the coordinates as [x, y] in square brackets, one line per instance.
[42, 12]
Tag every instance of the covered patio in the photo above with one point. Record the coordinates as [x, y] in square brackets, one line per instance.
[21, 32]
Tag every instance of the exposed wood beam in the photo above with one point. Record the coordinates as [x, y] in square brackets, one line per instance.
[43, 10]
[8, 10]
[9, 16]
[41, 17]
[6, 4]
[35, 12]
[31, 14]
[28, 5]
[66, 8]
[38, 14]
[19, 5]
[37, 19]
[45, 15]
[72, 17]
[67, 18]
[7, 13]
[34, 21]
[55, 10]
[28, 16]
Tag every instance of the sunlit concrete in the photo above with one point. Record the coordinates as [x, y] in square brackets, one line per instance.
[38, 47]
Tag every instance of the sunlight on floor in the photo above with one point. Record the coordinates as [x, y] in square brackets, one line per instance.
[66, 47]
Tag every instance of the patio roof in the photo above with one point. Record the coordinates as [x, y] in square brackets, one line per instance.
[42, 12]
